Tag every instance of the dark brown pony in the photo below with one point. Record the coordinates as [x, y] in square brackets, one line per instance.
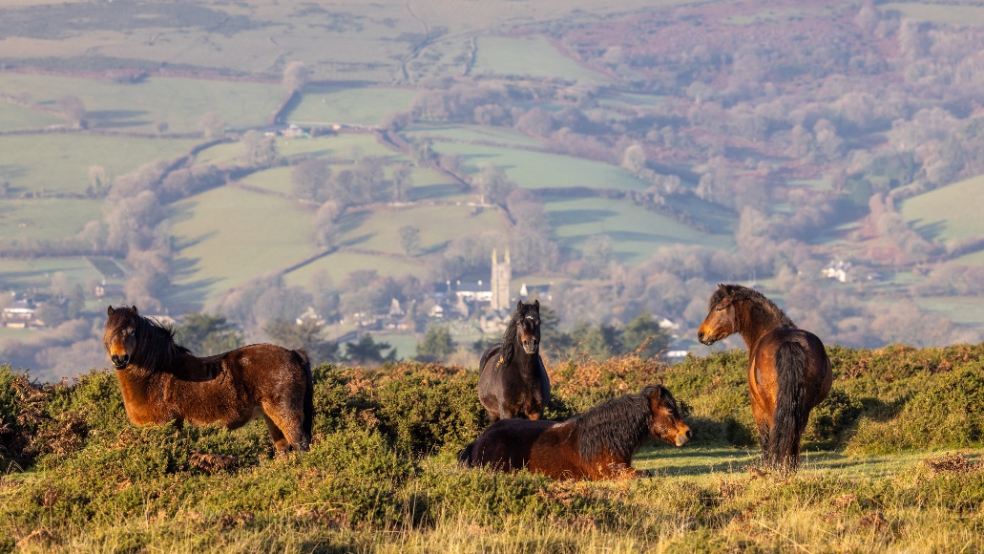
[513, 381]
[596, 445]
[162, 381]
[788, 372]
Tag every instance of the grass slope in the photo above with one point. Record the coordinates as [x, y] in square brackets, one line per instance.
[533, 169]
[528, 57]
[351, 105]
[381, 475]
[45, 218]
[635, 231]
[180, 103]
[58, 163]
[228, 236]
[948, 213]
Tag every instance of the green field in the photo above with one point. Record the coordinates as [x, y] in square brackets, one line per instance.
[431, 184]
[471, 133]
[58, 163]
[37, 272]
[339, 265]
[350, 105]
[379, 230]
[227, 236]
[140, 107]
[17, 118]
[948, 213]
[533, 169]
[45, 218]
[974, 258]
[528, 57]
[635, 231]
[346, 146]
[968, 310]
[938, 12]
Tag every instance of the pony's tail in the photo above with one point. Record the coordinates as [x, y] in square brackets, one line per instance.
[464, 457]
[308, 423]
[783, 446]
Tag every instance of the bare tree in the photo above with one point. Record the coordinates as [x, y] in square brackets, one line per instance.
[410, 239]
[212, 125]
[74, 111]
[295, 76]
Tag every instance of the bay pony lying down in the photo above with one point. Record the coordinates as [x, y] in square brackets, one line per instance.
[598, 444]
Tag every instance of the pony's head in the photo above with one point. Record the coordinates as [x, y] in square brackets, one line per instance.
[721, 320]
[666, 422]
[527, 322]
[120, 335]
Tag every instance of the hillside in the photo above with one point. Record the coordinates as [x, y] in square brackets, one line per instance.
[893, 462]
[197, 156]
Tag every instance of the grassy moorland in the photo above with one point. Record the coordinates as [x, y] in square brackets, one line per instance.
[893, 463]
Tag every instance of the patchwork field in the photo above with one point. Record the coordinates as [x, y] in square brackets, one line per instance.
[140, 107]
[37, 272]
[346, 146]
[472, 134]
[340, 265]
[323, 105]
[528, 57]
[533, 169]
[59, 163]
[952, 212]
[34, 219]
[635, 231]
[379, 230]
[935, 12]
[228, 236]
[17, 118]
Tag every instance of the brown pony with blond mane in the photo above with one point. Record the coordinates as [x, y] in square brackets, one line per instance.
[162, 381]
[598, 444]
[788, 372]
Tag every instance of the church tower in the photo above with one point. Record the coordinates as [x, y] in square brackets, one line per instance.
[501, 281]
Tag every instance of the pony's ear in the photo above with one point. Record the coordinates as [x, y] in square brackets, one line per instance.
[536, 305]
[110, 310]
[653, 391]
[519, 305]
[134, 310]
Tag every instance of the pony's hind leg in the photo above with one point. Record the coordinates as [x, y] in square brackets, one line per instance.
[289, 425]
[280, 443]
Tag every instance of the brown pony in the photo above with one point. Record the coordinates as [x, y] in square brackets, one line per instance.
[162, 381]
[512, 379]
[788, 372]
[596, 445]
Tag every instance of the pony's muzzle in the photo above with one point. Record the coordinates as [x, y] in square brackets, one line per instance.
[683, 438]
[120, 362]
[531, 346]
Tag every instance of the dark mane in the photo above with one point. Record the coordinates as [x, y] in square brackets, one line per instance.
[618, 426]
[155, 347]
[507, 350]
[738, 293]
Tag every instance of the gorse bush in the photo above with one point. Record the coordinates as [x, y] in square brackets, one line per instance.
[383, 460]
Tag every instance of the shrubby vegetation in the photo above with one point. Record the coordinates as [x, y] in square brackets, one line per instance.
[76, 474]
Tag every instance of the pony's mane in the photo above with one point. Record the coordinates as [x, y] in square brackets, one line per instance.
[507, 351]
[617, 426]
[738, 293]
[155, 349]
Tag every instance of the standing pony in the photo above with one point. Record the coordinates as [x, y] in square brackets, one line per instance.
[788, 373]
[513, 381]
[162, 381]
[596, 445]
